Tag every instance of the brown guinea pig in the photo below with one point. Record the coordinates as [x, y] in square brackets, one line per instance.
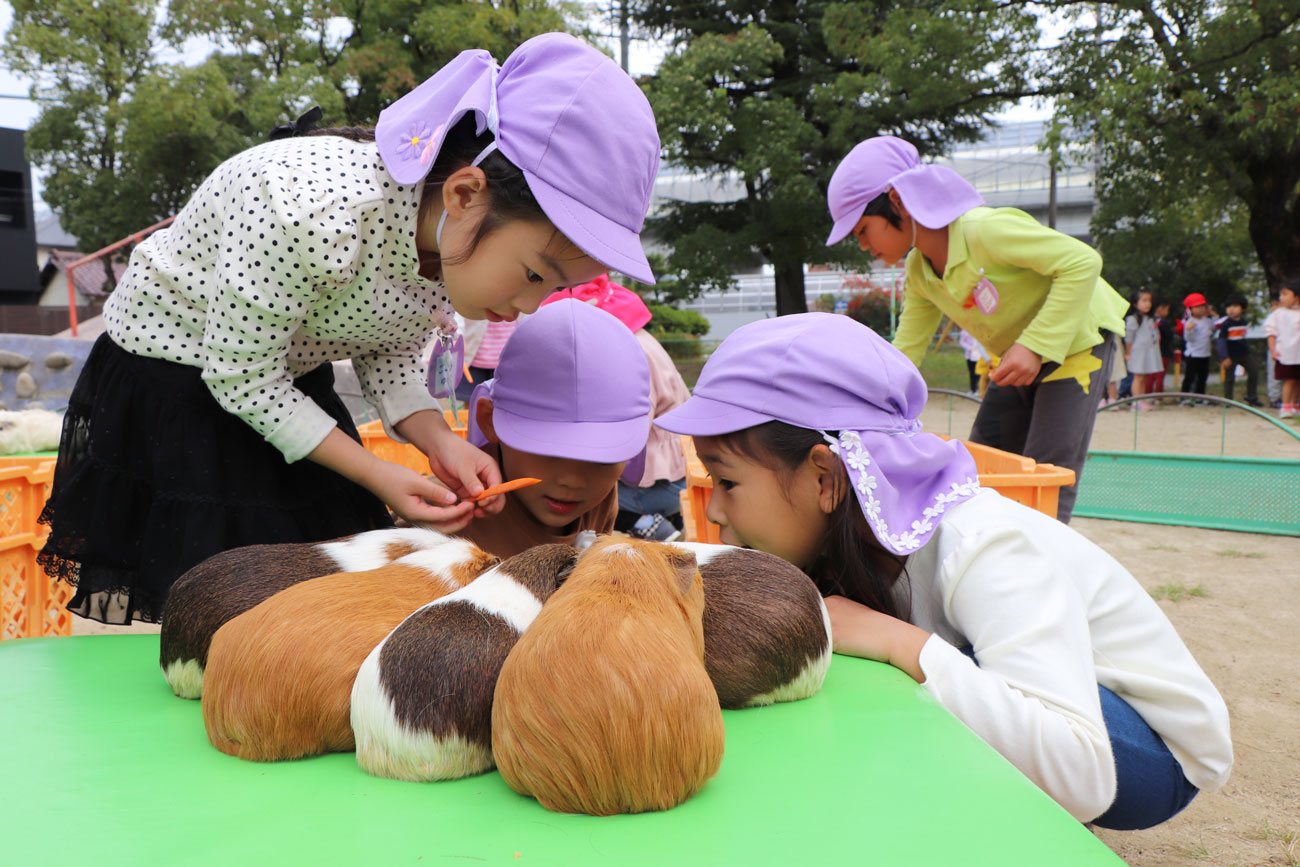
[422, 701]
[227, 584]
[767, 635]
[279, 676]
[604, 705]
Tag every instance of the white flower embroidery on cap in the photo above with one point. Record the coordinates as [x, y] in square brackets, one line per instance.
[857, 459]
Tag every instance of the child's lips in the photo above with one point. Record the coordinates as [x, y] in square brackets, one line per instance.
[561, 507]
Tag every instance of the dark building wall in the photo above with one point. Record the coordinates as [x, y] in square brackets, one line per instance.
[19, 282]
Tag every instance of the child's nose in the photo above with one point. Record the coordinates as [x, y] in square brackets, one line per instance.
[714, 513]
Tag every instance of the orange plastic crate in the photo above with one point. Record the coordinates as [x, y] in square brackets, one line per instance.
[1013, 476]
[381, 445]
[31, 604]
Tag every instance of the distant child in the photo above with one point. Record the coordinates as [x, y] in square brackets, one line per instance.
[206, 418]
[1029, 294]
[1168, 336]
[1033, 636]
[650, 506]
[570, 405]
[974, 355]
[1283, 329]
[1230, 341]
[1274, 386]
[1198, 334]
[1142, 347]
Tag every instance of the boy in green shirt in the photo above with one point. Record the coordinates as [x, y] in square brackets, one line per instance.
[1027, 293]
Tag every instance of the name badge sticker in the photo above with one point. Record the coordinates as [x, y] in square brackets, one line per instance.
[446, 365]
[985, 295]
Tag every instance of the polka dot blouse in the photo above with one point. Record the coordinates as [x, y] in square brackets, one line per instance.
[291, 254]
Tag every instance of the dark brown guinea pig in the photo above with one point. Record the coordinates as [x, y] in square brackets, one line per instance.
[767, 636]
[422, 700]
[227, 584]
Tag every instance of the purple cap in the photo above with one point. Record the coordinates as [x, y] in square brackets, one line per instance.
[577, 126]
[830, 373]
[572, 382]
[933, 195]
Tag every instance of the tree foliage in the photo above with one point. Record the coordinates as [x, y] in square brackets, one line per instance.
[1193, 107]
[774, 95]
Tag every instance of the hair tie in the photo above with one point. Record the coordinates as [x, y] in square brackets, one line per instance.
[305, 123]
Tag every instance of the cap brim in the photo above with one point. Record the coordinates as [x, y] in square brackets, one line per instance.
[704, 417]
[603, 442]
[609, 243]
[843, 226]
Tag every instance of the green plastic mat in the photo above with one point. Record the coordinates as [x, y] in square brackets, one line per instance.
[102, 765]
[1253, 495]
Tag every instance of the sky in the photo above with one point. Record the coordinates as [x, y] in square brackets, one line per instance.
[17, 111]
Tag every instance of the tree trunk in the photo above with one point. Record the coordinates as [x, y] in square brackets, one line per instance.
[1274, 224]
[789, 288]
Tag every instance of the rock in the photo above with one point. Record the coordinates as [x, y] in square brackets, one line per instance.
[24, 386]
[13, 360]
[58, 360]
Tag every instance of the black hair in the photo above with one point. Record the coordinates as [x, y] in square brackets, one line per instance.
[881, 206]
[509, 197]
[852, 562]
[1236, 298]
[1138, 314]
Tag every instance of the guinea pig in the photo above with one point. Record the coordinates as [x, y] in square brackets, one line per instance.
[422, 701]
[767, 634]
[279, 676]
[227, 584]
[604, 705]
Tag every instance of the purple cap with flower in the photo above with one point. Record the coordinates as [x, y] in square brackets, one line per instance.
[574, 123]
[933, 195]
[830, 373]
[572, 382]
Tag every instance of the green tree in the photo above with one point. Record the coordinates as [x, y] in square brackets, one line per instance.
[774, 95]
[1187, 103]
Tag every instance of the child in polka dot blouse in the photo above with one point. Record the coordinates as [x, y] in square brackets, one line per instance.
[206, 418]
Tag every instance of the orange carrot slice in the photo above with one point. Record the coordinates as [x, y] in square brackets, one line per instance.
[505, 487]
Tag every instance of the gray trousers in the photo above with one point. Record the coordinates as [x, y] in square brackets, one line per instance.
[1050, 422]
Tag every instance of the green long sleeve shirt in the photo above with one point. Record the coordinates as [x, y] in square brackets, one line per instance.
[1051, 297]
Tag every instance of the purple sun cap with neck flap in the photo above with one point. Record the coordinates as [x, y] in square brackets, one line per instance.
[567, 116]
[933, 195]
[832, 374]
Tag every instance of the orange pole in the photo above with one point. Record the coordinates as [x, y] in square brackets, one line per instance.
[72, 293]
[72, 305]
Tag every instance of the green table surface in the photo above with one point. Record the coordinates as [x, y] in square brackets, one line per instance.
[101, 764]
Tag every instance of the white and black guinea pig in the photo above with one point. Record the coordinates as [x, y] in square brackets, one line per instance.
[767, 635]
[226, 585]
[422, 700]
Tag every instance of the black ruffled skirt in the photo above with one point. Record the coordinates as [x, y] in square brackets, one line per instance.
[153, 476]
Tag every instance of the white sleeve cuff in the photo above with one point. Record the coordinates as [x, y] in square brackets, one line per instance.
[302, 431]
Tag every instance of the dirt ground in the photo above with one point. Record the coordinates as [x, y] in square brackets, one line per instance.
[1235, 599]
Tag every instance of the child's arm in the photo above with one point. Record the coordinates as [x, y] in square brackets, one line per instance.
[405, 491]
[916, 325]
[1272, 348]
[467, 470]
[857, 630]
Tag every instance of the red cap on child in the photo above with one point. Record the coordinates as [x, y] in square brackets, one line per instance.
[1196, 299]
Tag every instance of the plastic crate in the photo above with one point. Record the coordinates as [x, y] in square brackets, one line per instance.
[31, 604]
[381, 445]
[1013, 476]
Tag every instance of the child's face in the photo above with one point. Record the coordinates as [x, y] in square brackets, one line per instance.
[759, 508]
[1162, 311]
[512, 269]
[1287, 298]
[570, 488]
[1235, 311]
[1143, 303]
[1200, 311]
[876, 236]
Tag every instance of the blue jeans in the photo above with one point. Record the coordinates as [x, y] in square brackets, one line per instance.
[1151, 787]
[663, 498]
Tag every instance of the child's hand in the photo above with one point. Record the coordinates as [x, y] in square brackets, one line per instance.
[857, 630]
[419, 499]
[1019, 366]
[466, 470]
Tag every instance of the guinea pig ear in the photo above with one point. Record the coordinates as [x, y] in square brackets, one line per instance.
[566, 570]
[683, 564]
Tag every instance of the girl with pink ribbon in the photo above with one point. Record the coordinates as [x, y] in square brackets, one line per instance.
[1033, 636]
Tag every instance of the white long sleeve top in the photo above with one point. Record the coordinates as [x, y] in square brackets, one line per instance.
[290, 254]
[1050, 616]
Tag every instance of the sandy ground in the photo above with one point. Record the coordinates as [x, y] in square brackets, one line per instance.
[1235, 599]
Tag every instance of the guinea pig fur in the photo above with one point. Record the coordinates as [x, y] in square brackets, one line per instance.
[280, 675]
[422, 701]
[604, 705]
[767, 634]
[227, 584]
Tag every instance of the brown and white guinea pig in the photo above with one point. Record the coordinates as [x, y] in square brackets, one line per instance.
[279, 676]
[767, 634]
[422, 701]
[227, 584]
[604, 705]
